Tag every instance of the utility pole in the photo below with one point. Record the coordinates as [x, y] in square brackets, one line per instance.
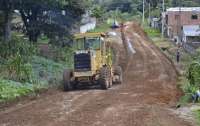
[143, 13]
[180, 25]
[149, 12]
[163, 10]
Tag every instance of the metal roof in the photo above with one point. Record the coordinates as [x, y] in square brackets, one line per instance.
[175, 9]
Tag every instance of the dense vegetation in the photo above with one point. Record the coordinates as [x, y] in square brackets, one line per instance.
[52, 18]
[24, 69]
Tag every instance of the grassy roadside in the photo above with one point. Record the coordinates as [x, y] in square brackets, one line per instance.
[25, 71]
[197, 115]
[169, 49]
[101, 27]
[46, 73]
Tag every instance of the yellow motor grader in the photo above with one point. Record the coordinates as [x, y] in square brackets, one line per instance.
[93, 59]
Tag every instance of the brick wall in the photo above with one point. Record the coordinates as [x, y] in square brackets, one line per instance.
[176, 20]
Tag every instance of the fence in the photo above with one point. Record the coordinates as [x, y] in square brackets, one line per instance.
[189, 48]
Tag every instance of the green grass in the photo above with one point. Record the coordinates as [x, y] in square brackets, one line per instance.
[47, 73]
[101, 28]
[197, 116]
[10, 90]
[48, 70]
[152, 32]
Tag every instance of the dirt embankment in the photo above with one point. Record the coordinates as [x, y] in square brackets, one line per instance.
[146, 97]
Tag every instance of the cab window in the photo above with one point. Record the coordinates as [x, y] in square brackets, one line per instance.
[79, 44]
[87, 43]
[93, 43]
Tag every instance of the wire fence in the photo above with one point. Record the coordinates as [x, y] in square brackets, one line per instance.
[189, 48]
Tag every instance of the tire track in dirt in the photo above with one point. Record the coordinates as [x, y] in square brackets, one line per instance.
[158, 60]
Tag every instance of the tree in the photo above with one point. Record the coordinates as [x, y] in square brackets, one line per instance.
[1, 23]
[38, 13]
[97, 11]
[7, 8]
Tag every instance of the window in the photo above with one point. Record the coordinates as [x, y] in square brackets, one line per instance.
[87, 43]
[194, 17]
[79, 44]
[92, 43]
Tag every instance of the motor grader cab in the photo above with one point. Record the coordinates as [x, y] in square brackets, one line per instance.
[92, 62]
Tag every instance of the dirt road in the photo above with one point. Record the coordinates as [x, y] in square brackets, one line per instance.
[146, 98]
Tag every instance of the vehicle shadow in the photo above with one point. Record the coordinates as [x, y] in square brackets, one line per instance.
[82, 87]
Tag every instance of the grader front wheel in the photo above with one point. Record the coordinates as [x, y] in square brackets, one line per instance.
[105, 78]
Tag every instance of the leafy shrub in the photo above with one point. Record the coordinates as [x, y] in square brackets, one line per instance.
[188, 90]
[16, 46]
[63, 55]
[9, 90]
[193, 73]
[17, 69]
[48, 70]
[15, 56]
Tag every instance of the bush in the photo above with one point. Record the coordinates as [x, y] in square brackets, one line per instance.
[23, 73]
[10, 90]
[47, 70]
[18, 70]
[192, 78]
[15, 57]
[16, 46]
[193, 74]
[63, 55]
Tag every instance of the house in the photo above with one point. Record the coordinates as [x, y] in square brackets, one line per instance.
[182, 23]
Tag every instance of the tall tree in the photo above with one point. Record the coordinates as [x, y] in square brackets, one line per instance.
[37, 13]
[7, 8]
[1, 23]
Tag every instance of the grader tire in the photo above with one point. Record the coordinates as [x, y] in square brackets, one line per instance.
[118, 72]
[67, 84]
[104, 79]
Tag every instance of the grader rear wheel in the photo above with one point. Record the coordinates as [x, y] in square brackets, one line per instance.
[105, 78]
[119, 73]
